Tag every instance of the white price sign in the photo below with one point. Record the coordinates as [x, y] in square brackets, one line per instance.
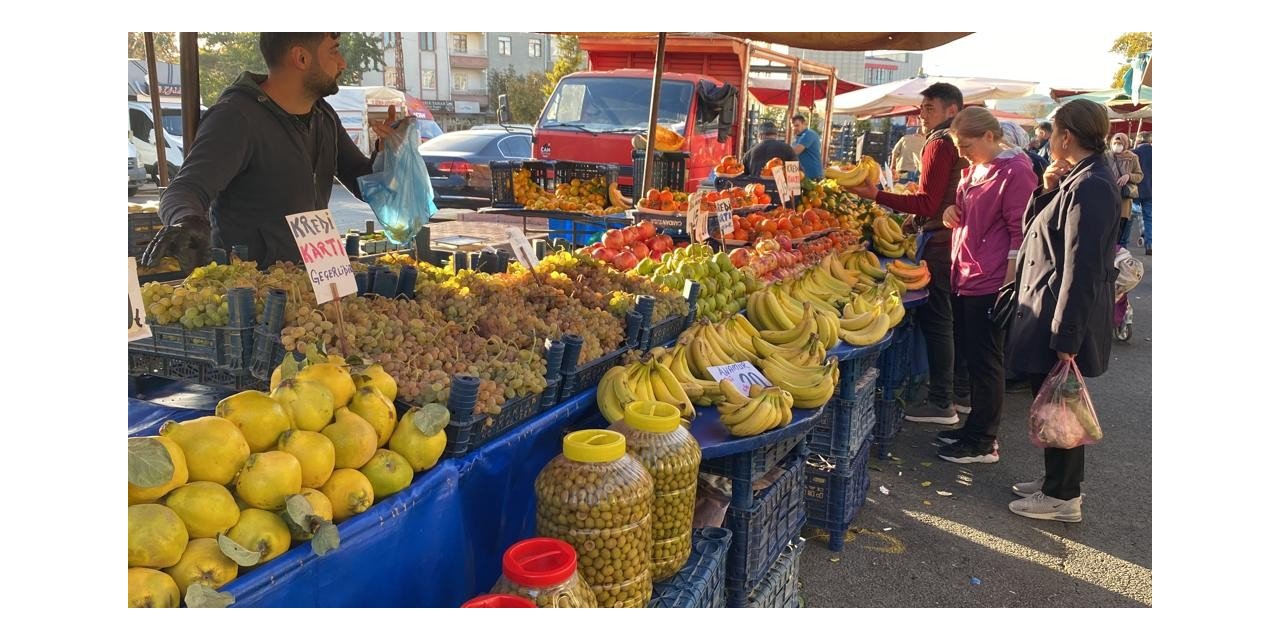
[693, 215]
[521, 248]
[741, 375]
[793, 177]
[780, 181]
[724, 216]
[324, 254]
[138, 327]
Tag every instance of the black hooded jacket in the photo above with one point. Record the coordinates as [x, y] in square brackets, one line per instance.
[252, 164]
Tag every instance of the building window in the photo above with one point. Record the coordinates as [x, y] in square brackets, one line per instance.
[426, 41]
[504, 45]
[459, 42]
[428, 78]
[878, 76]
[535, 48]
[459, 82]
[388, 37]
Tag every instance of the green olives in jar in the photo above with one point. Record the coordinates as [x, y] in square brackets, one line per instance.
[545, 571]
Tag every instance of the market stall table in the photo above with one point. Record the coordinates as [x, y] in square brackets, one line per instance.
[581, 225]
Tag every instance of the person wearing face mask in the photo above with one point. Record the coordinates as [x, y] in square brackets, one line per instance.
[270, 147]
[1065, 285]
[1125, 164]
[986, 232]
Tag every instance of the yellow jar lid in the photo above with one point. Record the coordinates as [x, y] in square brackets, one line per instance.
[652, 416]
[595, 445]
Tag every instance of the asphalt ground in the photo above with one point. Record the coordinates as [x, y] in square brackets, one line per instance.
[912, 547]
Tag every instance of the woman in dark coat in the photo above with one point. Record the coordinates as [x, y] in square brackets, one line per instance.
[1065, 287]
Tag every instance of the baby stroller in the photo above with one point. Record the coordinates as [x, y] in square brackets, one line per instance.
[1130, 274]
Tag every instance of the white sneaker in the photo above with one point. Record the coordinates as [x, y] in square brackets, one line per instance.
[1042, 507]
[1028, 489]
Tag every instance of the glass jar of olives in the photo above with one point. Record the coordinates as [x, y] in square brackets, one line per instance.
[598, 498]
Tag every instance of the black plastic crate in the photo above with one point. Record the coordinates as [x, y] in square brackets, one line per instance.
[668, 169]
[142, 229]
[566, 172]
[220, 346]
[835, 495]
[551, 395]
[194, 371]
[468, 434]
[843, 427]
[764, 459]
[760, 533]
[700, 584]
[665, 332]
[577, 378]
[781, 587]
[502, 190]
[674, 223]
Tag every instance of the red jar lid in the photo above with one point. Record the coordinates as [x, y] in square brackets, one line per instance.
[498, 601]
[540, 562]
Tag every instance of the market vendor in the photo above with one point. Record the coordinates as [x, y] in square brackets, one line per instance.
[269, 147]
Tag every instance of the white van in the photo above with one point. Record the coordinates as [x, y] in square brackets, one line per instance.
[142, 129]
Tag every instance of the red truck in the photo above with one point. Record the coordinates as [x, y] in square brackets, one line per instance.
[593, 115]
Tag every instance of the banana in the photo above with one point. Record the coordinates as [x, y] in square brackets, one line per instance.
[787, 305]
[703, 359]
[839, 272]
[824, 280]
[731, 394]
[868, 265]
[815, 353]
[885, 227]
[783, 401]
[896, 311]
[809, 297]
[744, 325]
[908, 272]
[811, 397]
[753, 418]
[731, 346]
[806, 327]
[910, 245]
[860, 321]
[720, 354]
[607, 398]
[638, 381]
[768, 313]
[665, 384]
[888, 251]
[680, 368]
[616, 198]
[870, 335]
[829, 328]
[781, 371]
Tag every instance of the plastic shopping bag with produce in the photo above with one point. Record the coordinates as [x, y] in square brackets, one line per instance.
[399, 189]
[1062, 416]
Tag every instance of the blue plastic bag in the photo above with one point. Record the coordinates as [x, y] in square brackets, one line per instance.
[399, 189]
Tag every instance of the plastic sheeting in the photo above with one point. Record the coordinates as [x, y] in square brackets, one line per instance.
[436, 544]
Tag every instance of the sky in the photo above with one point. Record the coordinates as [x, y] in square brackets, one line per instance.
[1030, 55]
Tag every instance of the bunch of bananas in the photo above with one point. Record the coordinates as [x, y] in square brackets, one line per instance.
[763, 409]
[866, 171]
[867, 319]
[646, 379]
[914, 277]
[713, 345]
[787, 320]
[810, 386]
[890, 241]
[865, 263]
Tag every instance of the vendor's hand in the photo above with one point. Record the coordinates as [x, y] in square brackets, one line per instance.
[951, 217]
[1122, 180]
[187, 240]
[1054, 172]
[866, 190]
[383, 130]
[1066, 357]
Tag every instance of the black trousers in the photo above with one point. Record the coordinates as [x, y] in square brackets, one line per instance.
[1063, 468]
[982, 344]
[936, 324]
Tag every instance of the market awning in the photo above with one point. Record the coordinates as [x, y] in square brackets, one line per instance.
[1020, 119]
[824, 41]
[1101, 96]
[881, 97]
[777, 92]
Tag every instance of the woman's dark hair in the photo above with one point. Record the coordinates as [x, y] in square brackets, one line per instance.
[276, 45]
[947, 93]
[1046, 126]
[1087, 121]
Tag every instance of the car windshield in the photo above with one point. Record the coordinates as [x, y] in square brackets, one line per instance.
[616, 104]
[456, 142]
[173, 122]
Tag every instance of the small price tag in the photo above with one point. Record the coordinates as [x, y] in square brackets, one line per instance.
[695, 219]
[741, 375]
[780, 181]
[522, 249]
[724, 216]
[324, 254]
[793, 177]
[138, 327]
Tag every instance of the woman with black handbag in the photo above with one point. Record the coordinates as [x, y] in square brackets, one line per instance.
[1125, 164]
[1065, 287]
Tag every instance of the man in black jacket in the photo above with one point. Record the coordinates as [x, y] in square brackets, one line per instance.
[268, 148]
[768, 148]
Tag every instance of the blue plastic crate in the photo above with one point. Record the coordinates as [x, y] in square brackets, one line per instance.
[761, 533]
[889, 412]
[765, 458]
[835, 491]
[700, 584]
[844, 424]
[781, 587]
[895, 361]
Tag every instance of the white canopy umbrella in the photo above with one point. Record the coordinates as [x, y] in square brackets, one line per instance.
[907, 93]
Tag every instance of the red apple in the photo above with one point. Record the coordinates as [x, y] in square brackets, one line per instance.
[740, 257]
[641, 250]
[604, 254]
[647, 230]
[625, 261]
[614, 239]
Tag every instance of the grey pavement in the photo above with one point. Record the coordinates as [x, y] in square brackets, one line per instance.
[916, 548]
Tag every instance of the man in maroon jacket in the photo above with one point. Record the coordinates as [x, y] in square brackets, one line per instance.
[941, 165]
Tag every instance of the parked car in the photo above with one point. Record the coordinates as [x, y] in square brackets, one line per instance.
[137, 175]
[458, 162]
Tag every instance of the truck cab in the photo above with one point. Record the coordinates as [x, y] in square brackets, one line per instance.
[592, 116]
[144, 135]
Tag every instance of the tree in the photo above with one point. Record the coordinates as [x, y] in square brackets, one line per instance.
[524, 93]
[225, 55]
[166, 43]
[1129, 45]
[569, 58]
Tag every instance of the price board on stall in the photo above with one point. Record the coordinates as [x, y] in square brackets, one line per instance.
[741, 375]
[324, 254]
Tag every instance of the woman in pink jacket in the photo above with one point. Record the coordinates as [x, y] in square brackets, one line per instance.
[986, 223]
